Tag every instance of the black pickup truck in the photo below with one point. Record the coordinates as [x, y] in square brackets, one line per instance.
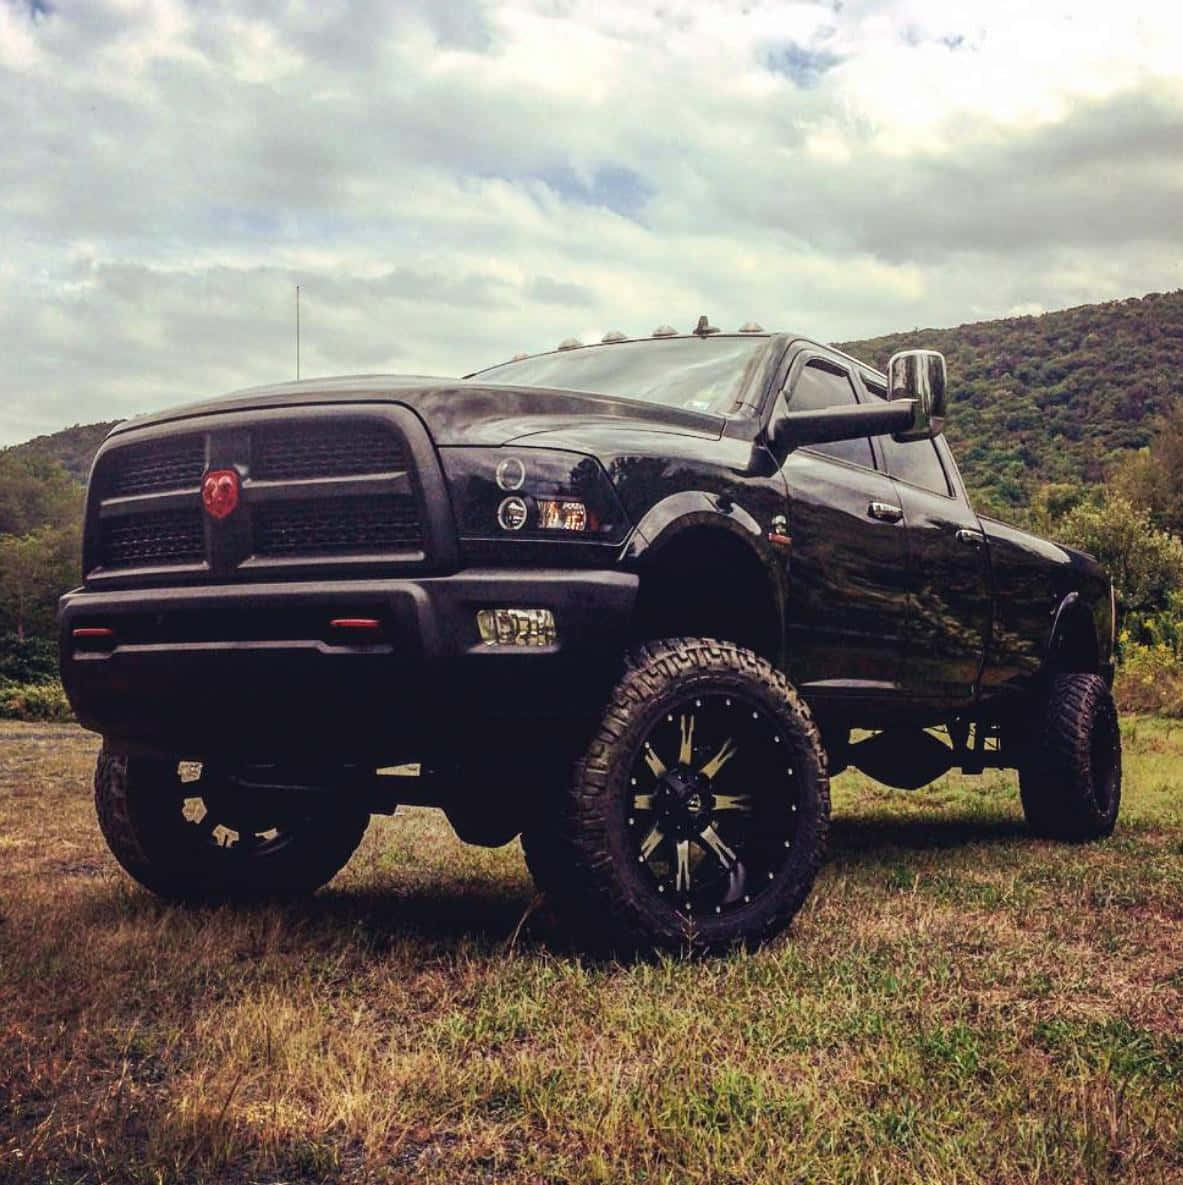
[635, 601]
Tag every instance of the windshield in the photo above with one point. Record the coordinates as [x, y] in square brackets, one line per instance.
[699, 374]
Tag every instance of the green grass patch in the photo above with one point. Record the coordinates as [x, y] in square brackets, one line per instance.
[956, 1002]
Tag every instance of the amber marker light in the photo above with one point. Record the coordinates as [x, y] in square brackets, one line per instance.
[561, 515]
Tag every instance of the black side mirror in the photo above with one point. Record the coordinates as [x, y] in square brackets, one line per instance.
[919, 375]
[847, 422]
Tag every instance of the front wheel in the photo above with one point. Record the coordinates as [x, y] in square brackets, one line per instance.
[1070, 782]
[698, 815]
[185, 834]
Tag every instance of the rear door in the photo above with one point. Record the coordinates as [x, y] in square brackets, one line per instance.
[949, 584]
[848, 571]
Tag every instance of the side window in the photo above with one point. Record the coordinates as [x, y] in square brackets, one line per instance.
[916, 462]
[818, 387]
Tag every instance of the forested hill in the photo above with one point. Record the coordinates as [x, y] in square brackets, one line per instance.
[1051, 398]
[73, 447]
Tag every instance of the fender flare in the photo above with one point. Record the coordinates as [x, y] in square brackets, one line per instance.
[695, 510]
[1072, 623]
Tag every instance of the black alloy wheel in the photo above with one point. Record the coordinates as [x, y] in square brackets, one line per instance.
[697, 817]
[185, 833]
[706, 840]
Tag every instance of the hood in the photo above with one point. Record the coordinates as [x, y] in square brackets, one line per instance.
[458, 411]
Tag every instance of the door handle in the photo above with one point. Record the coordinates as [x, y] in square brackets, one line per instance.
[970, 538]
[885, 512]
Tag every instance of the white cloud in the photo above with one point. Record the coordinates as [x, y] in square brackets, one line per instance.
[452, 183]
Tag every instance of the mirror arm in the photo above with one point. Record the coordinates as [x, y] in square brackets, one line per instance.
[844, 423]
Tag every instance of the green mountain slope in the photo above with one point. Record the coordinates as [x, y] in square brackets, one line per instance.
[1055, 397]
[74, 447]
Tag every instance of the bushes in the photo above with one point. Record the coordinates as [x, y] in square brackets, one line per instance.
[34, 701]
[27, 660]
[1150, 679]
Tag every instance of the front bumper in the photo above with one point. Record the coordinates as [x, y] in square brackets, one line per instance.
[255, 671]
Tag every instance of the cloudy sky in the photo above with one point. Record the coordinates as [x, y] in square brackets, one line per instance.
[450, 182]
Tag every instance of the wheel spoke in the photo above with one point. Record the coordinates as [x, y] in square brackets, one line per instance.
[682, 875]
[655, 763]
[650, 842]
[686, 750]
[714, 841]
[733, 802]
[643, 802]
[720, 759]
[737, 874]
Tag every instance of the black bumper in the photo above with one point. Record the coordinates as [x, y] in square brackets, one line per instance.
[256, 671]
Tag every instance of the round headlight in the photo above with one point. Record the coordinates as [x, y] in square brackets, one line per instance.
[510, 474]
[512, 514]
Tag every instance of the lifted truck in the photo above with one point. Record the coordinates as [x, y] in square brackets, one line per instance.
[628, 600]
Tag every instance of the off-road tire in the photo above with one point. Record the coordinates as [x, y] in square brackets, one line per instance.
[138, 801]
[1070, 782]
[580, 851]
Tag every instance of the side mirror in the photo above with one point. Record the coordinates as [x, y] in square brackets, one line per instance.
[919, 375]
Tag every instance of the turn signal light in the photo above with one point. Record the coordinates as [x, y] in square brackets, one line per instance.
[561, 515]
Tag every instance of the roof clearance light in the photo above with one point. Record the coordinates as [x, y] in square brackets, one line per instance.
[665, 331]
[614, 336]
[556, 515]
[751, 327]
[570, 343]
[517, 627]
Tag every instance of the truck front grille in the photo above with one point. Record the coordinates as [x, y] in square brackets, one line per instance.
[153, 538]
[338, 526]
[316, 486]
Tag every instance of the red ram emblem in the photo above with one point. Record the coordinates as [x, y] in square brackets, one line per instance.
[219, 492]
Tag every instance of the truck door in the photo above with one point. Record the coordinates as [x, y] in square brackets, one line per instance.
[847, 572]
[949, 583]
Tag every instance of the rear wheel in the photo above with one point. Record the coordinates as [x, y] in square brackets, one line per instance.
[698, 815]
[185, 834]
[1070, 783]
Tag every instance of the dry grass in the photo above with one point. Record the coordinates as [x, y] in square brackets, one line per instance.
[957, 1003]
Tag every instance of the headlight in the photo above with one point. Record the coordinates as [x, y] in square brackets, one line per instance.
[526, 493]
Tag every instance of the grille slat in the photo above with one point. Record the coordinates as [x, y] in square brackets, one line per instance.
[338, 526]
[153, 538]
[291, 451]
[157, 466]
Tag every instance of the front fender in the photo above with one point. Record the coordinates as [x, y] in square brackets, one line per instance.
[693, 509]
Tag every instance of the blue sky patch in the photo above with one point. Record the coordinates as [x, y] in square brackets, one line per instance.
[613, 187]
[804, 66]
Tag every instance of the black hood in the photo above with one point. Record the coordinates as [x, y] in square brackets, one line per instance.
[457, 411]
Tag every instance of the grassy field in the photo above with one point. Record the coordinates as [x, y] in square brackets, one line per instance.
[956, 1003]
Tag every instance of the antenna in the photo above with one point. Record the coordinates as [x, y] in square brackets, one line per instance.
[297, 332]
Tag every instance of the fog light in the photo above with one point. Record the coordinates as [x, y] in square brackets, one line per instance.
[555, 515]
[517, 627]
